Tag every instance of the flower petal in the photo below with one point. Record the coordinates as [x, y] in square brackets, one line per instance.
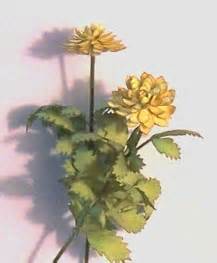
[160, 122]
[161, 83]
[144, 129]
[146, 118]
[167, 111]
[133, 117]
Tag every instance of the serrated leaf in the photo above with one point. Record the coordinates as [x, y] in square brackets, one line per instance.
[148, 211]
[70, 111]
[136, 196]
[130, 220]
[58, 116]
[120, 168]
[120, 194]
[69, 169]
[151, 187]
[167, 146]
[85, 137]
[81, 188]
[108, 244]
[88, 163]
[52, 117]
[177, 133]
[135, 162]
[129, 179]
[77, 206]
[98, 215]
[122, 173]
[64, 146]
[112, 127]
[84, 158]
[32, 117]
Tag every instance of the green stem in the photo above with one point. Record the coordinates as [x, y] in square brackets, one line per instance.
[91, 97]
[133, 141]
[62, 250]
[91, 125]
[144, 143]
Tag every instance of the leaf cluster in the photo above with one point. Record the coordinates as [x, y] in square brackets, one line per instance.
[103, 178]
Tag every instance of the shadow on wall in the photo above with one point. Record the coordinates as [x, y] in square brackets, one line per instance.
[40, 183]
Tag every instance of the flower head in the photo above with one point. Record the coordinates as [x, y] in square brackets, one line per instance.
[93, 40]
[146, 102]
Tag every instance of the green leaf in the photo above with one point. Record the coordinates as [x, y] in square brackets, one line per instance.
[69, 169]
[167, 146]
[148, 211]
[98, 214]
[32, 117]
[82, 189]
[64, 146]
[120, 168]
[122, 173]
[177, 133]
[52, 117]
[129, 220]
[88, 164]
[135, 162]
[67, 118]
[108, 244]
[120, 194]
[81, 137]
[136, 196]
[79, 208]
[70, 111]
[84, 158]
[130, 178]
[112, 127]
[151, 187]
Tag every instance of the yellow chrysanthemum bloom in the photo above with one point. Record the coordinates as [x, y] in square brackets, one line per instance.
[93, 40]
[146, 102]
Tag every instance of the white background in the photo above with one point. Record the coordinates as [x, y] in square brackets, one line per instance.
[173, 38]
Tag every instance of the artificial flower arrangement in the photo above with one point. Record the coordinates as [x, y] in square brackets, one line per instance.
[106, 189]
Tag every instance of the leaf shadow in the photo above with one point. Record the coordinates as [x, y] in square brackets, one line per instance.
[40, 182]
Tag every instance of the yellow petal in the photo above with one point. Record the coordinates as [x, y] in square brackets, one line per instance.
[143, 116]
[146, 118]
[133, 117]
[155, 110]
[160, 122]
[132, 82]
[128, 102]
[161, 83]
[155, 101]
[166, 111]
[144, 129]
[145, 99]
[147, 83]
[122, 112]
[113, 104]
[168, 97]
[144, 75]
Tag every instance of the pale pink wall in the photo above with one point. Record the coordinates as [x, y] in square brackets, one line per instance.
[173, 38]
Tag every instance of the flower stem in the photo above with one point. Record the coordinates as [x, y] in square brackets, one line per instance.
[68, 241]
[91, 125]
[144, 143]
[91, 97]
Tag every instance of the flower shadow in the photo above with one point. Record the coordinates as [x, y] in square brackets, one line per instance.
[40, 182]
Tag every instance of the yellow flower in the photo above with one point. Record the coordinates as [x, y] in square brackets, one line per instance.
[146, 102]
[93, 40]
